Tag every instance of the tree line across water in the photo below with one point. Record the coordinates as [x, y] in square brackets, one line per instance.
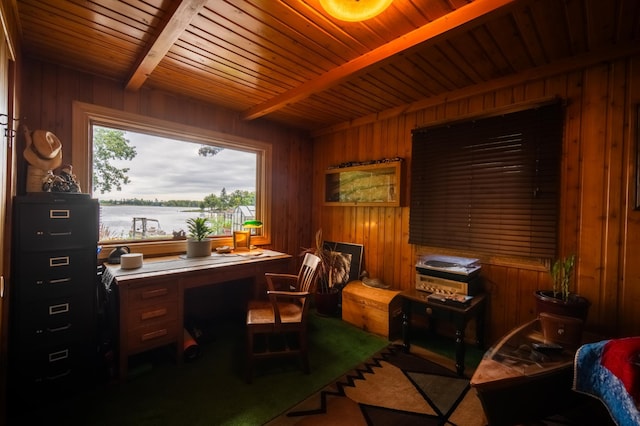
[220, 202]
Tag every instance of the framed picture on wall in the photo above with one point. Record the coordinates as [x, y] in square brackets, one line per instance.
[346, 261]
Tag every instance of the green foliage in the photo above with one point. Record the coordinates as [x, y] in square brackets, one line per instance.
[562, 275]
[226, 201]
[328, 262]
[108, 145]
[199, 228]
[209, 151]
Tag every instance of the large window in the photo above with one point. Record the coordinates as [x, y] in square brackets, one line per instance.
[150, 176]
[489, 185]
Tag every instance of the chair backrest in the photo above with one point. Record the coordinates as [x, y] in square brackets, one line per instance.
[308, 273]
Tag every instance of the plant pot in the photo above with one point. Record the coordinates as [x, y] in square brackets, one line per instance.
[197, 248]
[576, 307]
[327, 303]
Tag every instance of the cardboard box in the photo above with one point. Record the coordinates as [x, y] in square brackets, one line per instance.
[375, 310]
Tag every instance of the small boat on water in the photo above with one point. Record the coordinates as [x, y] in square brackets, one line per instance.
[144, 227]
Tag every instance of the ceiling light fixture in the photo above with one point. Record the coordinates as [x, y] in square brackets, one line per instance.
[354, 10]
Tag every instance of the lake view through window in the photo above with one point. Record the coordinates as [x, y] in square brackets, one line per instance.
[148, 186]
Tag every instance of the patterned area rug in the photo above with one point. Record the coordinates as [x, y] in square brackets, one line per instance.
[392, 388]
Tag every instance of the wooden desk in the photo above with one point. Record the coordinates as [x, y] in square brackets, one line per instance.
[151, 298]
[459, 316]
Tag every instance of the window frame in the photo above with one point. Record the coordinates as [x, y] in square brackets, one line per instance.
[85, 115]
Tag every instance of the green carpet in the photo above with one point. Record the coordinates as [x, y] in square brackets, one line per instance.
[211, 390]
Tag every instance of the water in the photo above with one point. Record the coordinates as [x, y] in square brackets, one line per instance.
[118, 219]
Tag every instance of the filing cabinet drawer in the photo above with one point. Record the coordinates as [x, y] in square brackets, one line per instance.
[54, 364]
[152, 336]
[53, 273]
[60, 223]
[58, 320]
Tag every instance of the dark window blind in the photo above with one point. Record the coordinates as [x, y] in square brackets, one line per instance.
[489, 185]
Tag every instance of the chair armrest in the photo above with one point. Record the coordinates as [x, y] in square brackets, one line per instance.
[288, 293]
[281, 279]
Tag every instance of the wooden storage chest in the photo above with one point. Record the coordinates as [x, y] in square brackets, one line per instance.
[375, 310]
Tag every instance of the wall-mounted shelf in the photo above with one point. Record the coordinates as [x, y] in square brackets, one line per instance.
[376, 184]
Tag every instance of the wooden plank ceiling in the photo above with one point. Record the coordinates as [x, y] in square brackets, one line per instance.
[288, 61]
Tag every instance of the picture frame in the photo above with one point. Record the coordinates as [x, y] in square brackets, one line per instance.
[355, 252]
[241, 240]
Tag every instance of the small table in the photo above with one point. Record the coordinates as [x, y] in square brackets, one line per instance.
[515, 383]
[458, 315]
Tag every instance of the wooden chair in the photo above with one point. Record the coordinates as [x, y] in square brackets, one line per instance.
[282, 318]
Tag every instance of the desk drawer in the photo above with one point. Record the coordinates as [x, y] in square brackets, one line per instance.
[159, 292]
[148, 315]
[152, 336]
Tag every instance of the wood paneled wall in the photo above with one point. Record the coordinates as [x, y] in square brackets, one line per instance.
[597, 217]
[597, 220]
[48, 92]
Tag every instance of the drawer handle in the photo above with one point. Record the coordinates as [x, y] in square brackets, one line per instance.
[153, 314]
[58, 309]
[154, 335]
[57, 356]
[155, 293]
[59, 261]
[58, 281]
[53, 234]
[59, 214]
[57, 329]
[60, 234]
[59, 376]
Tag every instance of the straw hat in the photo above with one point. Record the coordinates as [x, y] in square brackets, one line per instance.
[43, 150]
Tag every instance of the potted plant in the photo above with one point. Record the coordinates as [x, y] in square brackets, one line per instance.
[560, 300]
[327, 297]
[198, 245]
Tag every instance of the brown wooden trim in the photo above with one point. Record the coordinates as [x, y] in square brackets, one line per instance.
[174, 24]
[471, 14]
[539, 73]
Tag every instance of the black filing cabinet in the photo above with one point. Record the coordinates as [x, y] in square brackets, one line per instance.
[53, 345]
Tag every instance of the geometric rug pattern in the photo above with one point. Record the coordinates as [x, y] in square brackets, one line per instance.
[391, 388]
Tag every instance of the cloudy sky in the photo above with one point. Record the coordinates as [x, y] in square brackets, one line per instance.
[173, 170]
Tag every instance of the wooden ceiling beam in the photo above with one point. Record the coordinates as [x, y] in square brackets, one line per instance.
[473, 13]
[173, 25]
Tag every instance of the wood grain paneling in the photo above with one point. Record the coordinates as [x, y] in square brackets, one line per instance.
[290, 60]
[597, 220]
[48, 94]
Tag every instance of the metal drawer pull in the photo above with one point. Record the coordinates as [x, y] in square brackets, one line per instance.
[155, 293]
[153, 314]
[57, 356]
[58, 309]
[59, 376]
[154, 335]
[59, 261]
[59, 214]
[60, 234]
[58, 281]
[57, 329]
